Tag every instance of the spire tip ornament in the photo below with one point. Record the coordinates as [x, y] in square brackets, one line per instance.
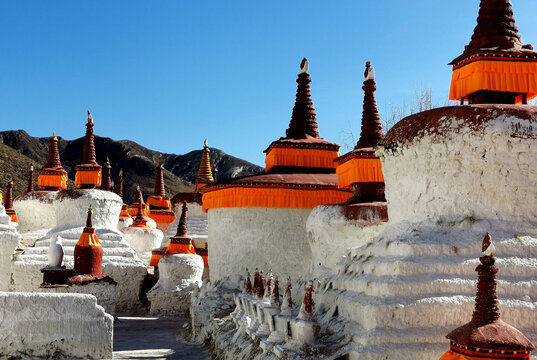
[304, 66]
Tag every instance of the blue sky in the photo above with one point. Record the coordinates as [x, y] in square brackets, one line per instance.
[168, 74]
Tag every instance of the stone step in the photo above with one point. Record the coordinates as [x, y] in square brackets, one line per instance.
[413, 335]
[421, 310]
[445, 264]
[451, 243]
[433, 284]
[116, 256]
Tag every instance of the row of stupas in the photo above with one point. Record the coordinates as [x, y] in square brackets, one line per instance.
[60, 209]
[408, 286]
[271, 209]
[444, 177]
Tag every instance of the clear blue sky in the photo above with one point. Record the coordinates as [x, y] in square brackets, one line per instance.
[168, 74]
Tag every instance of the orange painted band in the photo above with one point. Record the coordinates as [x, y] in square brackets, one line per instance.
[278, 197]
[506, 76]
[359, 169]
[300, 157]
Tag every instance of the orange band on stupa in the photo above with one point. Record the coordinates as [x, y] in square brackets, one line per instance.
[359, 169]
[159, 201]
[155, 256]
[300, 157]
[484, 73]
[52, 181]
[162, 216]
[272, 196]
[88, 177]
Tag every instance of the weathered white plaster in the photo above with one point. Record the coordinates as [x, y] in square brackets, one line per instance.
[52, 325]
[103, 291]
[124, 222]
[330, 234]
[119, 260]
[9, 242]
[179, 275]
[36, 212]
[266, 238]
[488, 172]
[143, 240]
[405, 290]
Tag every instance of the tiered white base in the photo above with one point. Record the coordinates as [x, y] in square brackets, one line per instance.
[119, 260]
[417, 282]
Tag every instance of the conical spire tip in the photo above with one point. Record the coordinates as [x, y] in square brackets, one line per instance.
[304, 66]
[488, 248]
[89, 220]
[369, 73]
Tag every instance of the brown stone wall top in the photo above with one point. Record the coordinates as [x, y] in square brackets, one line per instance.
[435, 122]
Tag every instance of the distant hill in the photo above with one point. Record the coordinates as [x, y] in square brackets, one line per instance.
[138, 163]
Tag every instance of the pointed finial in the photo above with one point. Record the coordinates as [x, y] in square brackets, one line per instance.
[488, 248]
[371, 132]
[140, 215]
[90, 118]
[182, 225]
[89, 220]
[54, 136]
[369, 73]
[304, 66]
[205, 143]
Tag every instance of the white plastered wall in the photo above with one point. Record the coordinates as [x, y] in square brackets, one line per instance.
[266, 238]
[49, 325]
[484, 173]
[330, 234]
[403, 292]
[36, 213]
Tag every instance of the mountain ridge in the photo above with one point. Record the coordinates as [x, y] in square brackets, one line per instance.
[137, 162]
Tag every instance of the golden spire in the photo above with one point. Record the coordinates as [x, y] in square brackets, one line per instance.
[205, 174]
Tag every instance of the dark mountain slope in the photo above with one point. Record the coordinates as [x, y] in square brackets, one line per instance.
[137, 162]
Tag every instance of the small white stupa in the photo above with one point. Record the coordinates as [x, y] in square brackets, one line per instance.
[180, 273]
[142, 236]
